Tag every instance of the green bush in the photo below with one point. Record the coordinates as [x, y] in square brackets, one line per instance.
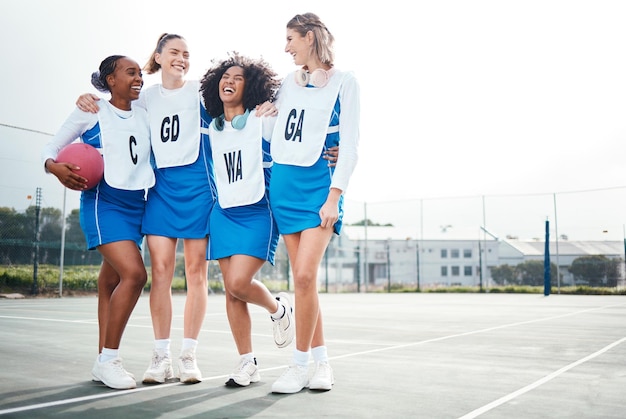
[76, 279]
[84, 279]
[516, 289]
[15, 277]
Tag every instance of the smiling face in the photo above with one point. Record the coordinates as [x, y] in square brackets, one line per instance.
[232, 85]
[174, 59]
[125, 83]
[299, 46]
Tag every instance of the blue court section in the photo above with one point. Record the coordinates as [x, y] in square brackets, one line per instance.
[394, 355]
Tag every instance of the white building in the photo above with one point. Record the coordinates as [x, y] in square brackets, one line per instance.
[381, 257]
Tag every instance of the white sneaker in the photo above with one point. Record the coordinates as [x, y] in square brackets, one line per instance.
[188, 371]
[94, 372]
[246, 372]
[323, 378]
[294, 379]
[113, 374]
[284, 328]
[160, 369]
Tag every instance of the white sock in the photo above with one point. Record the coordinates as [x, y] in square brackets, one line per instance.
[280, 312]
[320, 353]
[189, 343]
[300, 358]
[248, 357]
[108, 354]
[162, 346]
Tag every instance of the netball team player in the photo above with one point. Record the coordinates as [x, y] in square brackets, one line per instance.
[318, 107]
[243, 232]
[111, 213]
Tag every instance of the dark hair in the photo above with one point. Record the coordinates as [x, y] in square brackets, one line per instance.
[107, 67]
[261, 82]
[152, 66]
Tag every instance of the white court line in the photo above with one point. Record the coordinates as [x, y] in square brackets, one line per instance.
[487, 407]
[539, 382]
[130, 325]
[473, 332]
[40, 319]
[112, 393]
[48, 319]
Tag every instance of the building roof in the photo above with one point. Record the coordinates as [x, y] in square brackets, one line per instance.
[446, 233]
[524, 247]
[566, 248]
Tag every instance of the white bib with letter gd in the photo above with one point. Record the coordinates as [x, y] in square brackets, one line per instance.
[174, 124]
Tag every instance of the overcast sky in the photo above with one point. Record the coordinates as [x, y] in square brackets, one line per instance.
[506, 103]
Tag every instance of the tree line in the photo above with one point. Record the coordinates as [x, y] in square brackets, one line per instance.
[594, 271]
[19, 237]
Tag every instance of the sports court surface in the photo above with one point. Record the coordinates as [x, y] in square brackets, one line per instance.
[394, 356]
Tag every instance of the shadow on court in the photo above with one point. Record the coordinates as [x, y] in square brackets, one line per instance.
[393, 355]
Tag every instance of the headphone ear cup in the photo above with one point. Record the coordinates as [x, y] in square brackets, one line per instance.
[320, 77]
[302, 77]
[218, 123]
[239, 121]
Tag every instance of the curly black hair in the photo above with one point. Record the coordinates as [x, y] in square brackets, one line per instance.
[261, 82]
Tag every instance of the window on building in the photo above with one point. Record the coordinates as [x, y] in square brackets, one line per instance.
[467, 253]
[444, 271]
[467, 270]
[454, 253]
[455, 271]
[380, 271]
[444, 253]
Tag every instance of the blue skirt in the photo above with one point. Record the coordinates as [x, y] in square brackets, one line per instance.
[181, 200]
[248, 230]
[297, 195]
[109, 215]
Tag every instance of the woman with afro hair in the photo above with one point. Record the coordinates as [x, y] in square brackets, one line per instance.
[243, 233]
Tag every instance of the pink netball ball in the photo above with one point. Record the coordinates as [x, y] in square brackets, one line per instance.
[87, 158]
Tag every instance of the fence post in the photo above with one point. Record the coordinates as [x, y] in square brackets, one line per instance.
[35, 287]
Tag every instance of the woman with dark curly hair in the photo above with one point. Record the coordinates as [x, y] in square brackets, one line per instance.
[243, 232]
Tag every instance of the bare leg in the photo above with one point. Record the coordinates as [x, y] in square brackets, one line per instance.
[318, 335]
[306, 250]
[163, 258]
[124, 258]
[108, 279]
[241, 289]
[196, 271]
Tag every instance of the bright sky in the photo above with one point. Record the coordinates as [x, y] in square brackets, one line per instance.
[459, 98]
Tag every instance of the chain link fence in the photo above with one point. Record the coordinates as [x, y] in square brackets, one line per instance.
[475, 241]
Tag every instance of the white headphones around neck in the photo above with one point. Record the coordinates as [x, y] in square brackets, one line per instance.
[318, 78]
[238, 122]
